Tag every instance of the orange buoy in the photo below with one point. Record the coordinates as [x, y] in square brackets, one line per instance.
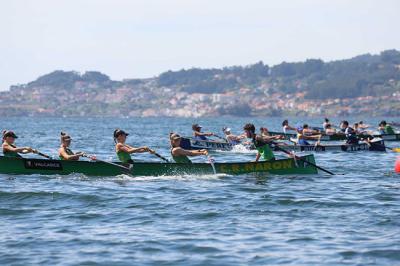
[397, 166]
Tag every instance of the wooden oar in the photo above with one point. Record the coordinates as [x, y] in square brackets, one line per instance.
[41, 154]
[301, 159]
[392, 149]
[384, 146]
[160, 156]
[126, 170]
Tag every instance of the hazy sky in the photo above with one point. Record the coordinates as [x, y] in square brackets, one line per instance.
[131, 39]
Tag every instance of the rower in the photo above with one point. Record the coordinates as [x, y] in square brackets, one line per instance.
[356, 128]
[230, 138]
[329, 130]
[198, 134]
[64, 152]
[361, 125]
[286, 127]
[9, 148]
[384, 128]
[262, 144]
[304, 135]
[123, 150]
[179, 154]
[351, 135]
[264, 132]
[326, 123]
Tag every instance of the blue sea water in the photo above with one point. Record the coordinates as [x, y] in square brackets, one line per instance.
[352, 218]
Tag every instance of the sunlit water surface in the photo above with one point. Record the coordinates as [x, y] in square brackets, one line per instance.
[350, 218]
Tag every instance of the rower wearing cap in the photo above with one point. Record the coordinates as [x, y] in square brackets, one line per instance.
[198, 134]
[260, 143]
[123, 150]
[230, 138]
[64, 152]
[179, 154]
[9, 148]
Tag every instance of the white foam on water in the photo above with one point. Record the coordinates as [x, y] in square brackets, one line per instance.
[239, 149]
[167, 177]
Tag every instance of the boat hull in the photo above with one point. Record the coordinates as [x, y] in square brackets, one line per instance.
[373, 146]
[338, 137]
[193, 144]
[24, 166]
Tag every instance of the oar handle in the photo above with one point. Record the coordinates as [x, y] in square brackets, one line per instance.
[301, 159]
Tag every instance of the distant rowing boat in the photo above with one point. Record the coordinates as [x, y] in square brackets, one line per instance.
[24, 166]
[378, 145]
[337, 137]
[194, 144]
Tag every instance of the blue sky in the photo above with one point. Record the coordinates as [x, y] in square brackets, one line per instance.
[136, 39]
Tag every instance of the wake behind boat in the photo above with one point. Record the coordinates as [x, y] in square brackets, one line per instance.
[24, 166]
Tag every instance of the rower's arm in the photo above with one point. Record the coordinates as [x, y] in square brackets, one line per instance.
[23, 150]
[313, 137]
[130, 149]
[180, 151]
[67, 156]
[207, 134]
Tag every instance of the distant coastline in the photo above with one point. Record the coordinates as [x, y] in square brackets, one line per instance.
[366, 85]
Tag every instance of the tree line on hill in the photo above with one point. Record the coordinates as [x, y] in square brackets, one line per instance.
[359, 76]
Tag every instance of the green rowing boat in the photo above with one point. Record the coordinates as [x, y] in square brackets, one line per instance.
[25, 166]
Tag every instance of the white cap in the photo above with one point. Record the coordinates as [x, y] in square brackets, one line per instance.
[227, 129]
